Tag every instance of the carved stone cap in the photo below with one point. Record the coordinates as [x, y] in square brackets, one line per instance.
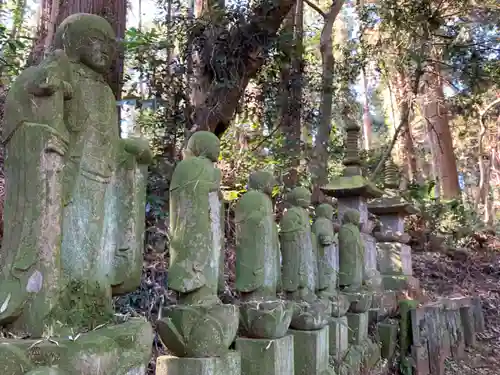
[391, 206]
[351, 186]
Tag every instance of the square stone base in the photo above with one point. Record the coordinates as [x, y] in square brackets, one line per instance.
[394, 258]
[338, 337]
[266, 357]
[310, 351]
[358, 327]
[230, 364]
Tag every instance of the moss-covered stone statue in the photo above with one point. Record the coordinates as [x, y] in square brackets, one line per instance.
[75, 195]
[299, 270]
[200, 326]
[351, 251]
[258, 268]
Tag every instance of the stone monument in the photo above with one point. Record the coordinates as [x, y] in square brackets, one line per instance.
[200, 329]
[359, 278]
[74, 214]
[264, 319]
[393, 251]
[299, 275]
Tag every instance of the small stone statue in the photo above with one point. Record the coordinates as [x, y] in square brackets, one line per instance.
[195, 222]
[327, 251]
[71, 182]
[351, 251]
[199, 326]
[258, 261]
[299, 271]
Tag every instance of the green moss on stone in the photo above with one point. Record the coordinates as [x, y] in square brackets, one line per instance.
[82, 305]
[203, 143]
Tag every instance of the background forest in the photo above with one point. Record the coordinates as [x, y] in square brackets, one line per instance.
[278, 80]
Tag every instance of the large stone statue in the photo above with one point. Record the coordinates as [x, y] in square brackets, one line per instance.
[75, 200]
[299, 270]
[199, 326]
[258, 261]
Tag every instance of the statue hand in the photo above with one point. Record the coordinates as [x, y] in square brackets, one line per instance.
[139, 147]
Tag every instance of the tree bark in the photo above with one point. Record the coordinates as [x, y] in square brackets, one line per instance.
[320, 152]
[244, 56]
[436, 115]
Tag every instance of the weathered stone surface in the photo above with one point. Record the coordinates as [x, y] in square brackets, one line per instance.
[198, 330]
[82, 207]
[400, 282]
[121, 349]
[406, 325]
[468, 323]
[228, 364]
[351, 251]
[311, 351]
[477, 310]
[394, 258]
[266, 357]
[420, 355]
[265, 319]
[327, 252]
[357, 203]
[370, 256]
[299, 272]
[454, 325]
[360, 301]
[358, 327]
[388, 336]
[47, 371]
[338, 337]
[194, 214]
[384, 304]
[257, 247]
[352, 362]
[370, 352]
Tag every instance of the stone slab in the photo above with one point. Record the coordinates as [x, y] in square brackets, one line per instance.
[121, 349]
[420, 355]
[230, 364]
[394, 258]
[399, 283]
[266, 357]
[310, 351]
[384, 304]
[388, 337]
[370, 259]
[358, 327]
[392, 223]
[478, 314]
[338, 337]
[353, 203]
[454, 325]
[468, 323]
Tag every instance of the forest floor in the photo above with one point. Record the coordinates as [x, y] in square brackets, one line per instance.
[472, 271]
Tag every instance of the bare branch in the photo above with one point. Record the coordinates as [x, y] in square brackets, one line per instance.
[316, 8]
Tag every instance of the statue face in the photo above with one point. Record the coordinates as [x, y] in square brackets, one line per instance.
[97, 51]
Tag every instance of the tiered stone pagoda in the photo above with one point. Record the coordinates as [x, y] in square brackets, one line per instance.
[393, 251]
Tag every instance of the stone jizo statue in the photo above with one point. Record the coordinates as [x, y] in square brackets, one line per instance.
[74, 210]
[351, 251]
[258, 261]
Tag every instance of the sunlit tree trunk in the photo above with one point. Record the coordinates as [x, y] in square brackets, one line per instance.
[436, 116]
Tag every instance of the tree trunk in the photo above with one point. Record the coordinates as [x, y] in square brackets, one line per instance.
[245, 54]
[320, 153]
[291, 94]
[436, 115]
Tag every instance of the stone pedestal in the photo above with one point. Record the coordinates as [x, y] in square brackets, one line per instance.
[338, 337]
[229, 364]
[358, 327]
[266, 357]
[310, 351]
[122, 349]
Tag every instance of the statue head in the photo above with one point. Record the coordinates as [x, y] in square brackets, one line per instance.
[351, 217]
[203, 143]
[324, 210]
[87, 38]
[300, 196]
[262, 181]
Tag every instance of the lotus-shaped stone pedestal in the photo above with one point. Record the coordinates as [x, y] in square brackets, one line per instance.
[265, 319]
[198, 331]
[309, 316]
[360, 301]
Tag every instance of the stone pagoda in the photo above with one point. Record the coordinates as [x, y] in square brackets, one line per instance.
[393, 251]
